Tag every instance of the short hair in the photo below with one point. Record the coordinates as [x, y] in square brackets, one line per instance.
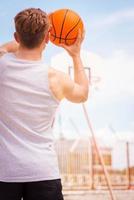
[31, 25]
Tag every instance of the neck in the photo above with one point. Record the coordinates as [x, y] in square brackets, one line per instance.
[29, 54]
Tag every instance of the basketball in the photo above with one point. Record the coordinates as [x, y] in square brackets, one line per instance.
[65, 26]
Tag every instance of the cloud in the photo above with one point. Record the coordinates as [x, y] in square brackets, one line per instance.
[111, 138]
[116, 72]
[114, 18]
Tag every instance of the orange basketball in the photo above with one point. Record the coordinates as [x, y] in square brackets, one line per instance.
[65, 26]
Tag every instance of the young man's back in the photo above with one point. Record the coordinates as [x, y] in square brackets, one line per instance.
[27, 107]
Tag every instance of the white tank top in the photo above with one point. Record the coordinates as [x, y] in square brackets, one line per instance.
[27, 109]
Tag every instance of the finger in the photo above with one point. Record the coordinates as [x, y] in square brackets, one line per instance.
[83, 34]
[78, 39]
[62, 45]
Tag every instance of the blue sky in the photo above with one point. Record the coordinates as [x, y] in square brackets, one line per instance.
[110, 36]
[101, 39]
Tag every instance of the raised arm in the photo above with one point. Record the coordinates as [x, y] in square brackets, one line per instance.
[77, 90]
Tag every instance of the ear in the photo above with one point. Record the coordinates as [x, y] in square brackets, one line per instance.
[16, 37]
[47, 38]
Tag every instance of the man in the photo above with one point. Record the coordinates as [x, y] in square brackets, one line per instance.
[29, 96]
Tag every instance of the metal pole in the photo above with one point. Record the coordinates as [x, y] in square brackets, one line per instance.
[99, 154]
[92, 166]
[128, 165]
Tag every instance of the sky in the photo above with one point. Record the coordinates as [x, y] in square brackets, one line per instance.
[107, 49]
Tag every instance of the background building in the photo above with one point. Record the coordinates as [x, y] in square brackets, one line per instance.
[81, 168]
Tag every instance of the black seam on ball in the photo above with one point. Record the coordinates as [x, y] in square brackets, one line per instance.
[62, 26]
[56, 37]
[73, 28]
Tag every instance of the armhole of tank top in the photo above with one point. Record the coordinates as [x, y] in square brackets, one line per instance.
[51, 93]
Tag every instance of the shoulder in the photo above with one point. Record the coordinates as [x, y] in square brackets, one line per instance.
[61, 78]
[58, 75]
[55, 83]
[54, 72]
[59, 82]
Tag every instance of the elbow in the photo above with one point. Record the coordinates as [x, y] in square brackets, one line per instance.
[84, 99]
[85, 96]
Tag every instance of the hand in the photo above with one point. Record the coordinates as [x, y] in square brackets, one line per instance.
[74, 49]
[10, 46]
